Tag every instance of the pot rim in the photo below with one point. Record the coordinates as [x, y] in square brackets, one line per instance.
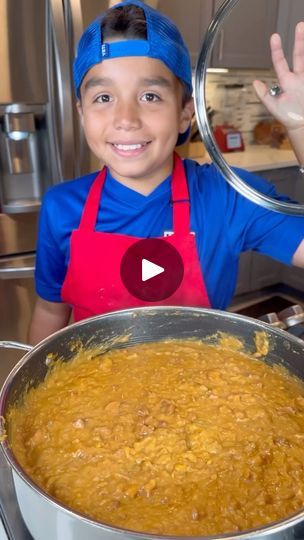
[273, 527]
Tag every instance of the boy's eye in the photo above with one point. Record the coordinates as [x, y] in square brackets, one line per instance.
[103, 98]
[150, 96]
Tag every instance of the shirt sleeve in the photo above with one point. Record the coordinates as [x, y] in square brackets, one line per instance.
[51, 264]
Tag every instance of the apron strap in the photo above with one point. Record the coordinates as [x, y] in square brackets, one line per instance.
[180, 198]
[90, 210]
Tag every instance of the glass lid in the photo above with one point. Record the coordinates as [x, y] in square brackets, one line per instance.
[228, 111]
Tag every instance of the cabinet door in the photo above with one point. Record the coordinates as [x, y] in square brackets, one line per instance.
[265, 271]
[257, 271]
[294, 277]
[287, 181]
[244, 275]
[192, 18]
[243, 41]
[289, 13]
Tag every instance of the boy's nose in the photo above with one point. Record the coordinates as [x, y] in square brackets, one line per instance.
[127, 116]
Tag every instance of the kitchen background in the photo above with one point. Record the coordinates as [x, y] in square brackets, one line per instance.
[41, 144]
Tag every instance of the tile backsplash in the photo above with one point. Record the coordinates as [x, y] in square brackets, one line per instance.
[232, 97]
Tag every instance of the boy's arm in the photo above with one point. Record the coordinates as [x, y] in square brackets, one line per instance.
[288, 107]
[47, 318]
[298, 257]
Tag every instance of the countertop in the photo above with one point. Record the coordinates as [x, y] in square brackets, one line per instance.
[257, 158]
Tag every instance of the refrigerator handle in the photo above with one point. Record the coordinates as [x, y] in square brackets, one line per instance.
[64, 91]
[16, 273]
[75, 26]
[74, 23]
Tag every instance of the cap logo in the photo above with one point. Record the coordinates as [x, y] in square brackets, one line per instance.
[105, 50]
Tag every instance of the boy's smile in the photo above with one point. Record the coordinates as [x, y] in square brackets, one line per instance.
[131, 111]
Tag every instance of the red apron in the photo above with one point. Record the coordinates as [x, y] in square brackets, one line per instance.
[93, 284]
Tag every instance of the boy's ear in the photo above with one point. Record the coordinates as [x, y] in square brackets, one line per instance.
[186, 115]
[79, 109]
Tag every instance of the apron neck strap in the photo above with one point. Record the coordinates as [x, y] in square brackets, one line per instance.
[90, 210]
[180, 198]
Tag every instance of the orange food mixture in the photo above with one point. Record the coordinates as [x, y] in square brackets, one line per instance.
[176, 437]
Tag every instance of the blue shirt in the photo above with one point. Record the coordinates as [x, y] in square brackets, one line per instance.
[225, 223]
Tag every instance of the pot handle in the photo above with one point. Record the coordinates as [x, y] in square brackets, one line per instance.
[15, 345]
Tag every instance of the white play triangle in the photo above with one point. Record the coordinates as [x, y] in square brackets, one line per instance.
[150, 270]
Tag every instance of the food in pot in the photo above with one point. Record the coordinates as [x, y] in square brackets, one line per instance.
[175, 437]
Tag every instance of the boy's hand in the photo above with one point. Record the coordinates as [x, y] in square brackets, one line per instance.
[287, 107]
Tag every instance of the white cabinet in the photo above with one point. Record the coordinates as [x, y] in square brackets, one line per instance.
[243, 41]
[192, 18]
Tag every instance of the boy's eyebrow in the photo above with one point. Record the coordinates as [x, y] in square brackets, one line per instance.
[145, 81]
[156, 81]
[97, 81]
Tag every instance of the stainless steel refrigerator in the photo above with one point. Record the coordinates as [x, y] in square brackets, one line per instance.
[40, 138]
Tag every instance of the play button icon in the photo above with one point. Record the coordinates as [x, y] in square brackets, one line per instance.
[152, 269]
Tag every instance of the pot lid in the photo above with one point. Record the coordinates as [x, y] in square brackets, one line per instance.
[206, 133]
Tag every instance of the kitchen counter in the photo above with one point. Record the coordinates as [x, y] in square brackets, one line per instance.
[257, 158]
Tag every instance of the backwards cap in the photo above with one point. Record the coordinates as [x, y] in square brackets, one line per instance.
[164, 42]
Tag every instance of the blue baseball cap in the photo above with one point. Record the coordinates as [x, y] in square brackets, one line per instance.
[164, 42]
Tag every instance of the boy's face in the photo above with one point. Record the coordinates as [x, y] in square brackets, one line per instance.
[131, 111]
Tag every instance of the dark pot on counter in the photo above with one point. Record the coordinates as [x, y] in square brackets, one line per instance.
[45, 517]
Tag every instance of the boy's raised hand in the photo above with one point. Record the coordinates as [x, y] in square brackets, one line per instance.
[288, 106]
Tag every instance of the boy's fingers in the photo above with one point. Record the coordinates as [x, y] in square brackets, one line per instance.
[263, 94]
[298, 50]
[278, 58]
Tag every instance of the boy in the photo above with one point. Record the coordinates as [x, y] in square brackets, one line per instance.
[132, 77]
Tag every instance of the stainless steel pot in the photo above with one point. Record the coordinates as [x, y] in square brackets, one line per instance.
[45, 518]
